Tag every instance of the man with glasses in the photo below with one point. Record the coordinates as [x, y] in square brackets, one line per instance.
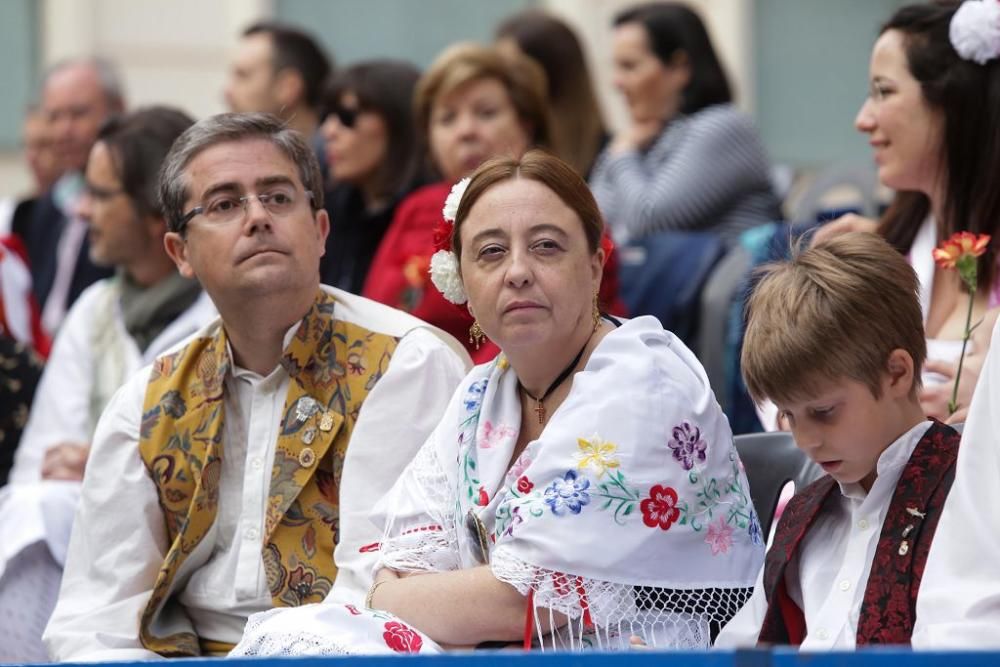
[116, 326]
[238, 463]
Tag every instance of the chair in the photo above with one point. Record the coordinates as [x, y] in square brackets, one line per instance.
[771, 460]
[717, 296]
[662, 275]
[859, 179]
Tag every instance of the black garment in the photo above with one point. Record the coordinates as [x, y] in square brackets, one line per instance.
[39, 223]
[20, 369]
[355, 234]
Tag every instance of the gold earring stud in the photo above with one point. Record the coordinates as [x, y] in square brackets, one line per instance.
[476, 334]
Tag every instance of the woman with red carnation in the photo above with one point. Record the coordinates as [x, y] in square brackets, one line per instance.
[933, 119]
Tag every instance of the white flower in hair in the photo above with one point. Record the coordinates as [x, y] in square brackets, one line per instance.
[445, 276]
[454, 199]
[975, 30]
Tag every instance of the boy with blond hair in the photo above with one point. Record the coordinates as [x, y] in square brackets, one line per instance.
[835, 339]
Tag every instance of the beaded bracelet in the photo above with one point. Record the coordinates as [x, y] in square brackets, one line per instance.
[371, 593]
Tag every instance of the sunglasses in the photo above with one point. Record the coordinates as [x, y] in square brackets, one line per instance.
[345, 116]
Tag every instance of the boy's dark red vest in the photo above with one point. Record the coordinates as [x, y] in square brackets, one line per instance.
[888, 609]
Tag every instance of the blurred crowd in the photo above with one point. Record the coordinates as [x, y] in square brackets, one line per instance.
[90, 291]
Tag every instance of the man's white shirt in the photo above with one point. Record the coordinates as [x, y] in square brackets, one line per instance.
[119, 537]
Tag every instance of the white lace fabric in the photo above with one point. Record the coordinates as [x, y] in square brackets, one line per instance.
[420, 531]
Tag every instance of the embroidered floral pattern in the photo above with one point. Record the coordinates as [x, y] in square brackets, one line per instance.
[523, 501]
[495, 435]
[597, 454]
[659, 510]
[474, 396]
[719, 537]
[687, 445]
[712, 493]
[401, 638]
[619, 495]
[753, 529]
[567, 493]
[520, 465]
[515, 519]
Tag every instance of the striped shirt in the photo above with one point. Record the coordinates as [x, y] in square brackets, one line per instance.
[705, 171]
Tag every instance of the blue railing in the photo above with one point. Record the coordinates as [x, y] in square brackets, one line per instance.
[876, 657]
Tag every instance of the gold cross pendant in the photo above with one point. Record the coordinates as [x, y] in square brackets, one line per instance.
[540, 411]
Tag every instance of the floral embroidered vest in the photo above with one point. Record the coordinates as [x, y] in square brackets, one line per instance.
[888, 609]
[332, 366]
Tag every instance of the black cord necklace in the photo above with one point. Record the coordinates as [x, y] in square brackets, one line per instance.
[566, 372]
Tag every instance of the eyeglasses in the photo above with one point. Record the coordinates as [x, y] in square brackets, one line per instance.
[345, 116]
[223, 208]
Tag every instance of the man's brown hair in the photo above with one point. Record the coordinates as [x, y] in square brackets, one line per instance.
[836, 310]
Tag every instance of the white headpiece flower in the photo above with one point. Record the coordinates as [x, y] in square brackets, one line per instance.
[444, 263]
[975, 30]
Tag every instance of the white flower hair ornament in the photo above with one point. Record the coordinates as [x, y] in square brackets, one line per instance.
[975, 30]
[444, 263]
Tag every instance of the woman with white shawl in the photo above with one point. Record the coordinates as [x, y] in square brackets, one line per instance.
[581, 489]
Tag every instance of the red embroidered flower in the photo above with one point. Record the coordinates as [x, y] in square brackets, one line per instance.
[401, 638]
[660, 509]
[524, 484]
[484, 498]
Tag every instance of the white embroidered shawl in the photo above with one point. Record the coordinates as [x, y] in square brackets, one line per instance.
[629, 515]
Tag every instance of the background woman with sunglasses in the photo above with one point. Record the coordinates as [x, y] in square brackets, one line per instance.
[372, 152]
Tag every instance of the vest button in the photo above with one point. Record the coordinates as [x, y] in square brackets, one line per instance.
[307, 457]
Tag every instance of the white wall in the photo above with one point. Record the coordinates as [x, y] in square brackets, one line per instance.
[172, 52]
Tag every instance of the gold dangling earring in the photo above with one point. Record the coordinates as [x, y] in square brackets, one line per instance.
[597, 314]
[476, 334]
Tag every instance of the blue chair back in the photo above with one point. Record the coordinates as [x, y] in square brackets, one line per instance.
[662, 275]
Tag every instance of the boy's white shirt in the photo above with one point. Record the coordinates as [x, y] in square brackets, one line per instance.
[828, 575]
